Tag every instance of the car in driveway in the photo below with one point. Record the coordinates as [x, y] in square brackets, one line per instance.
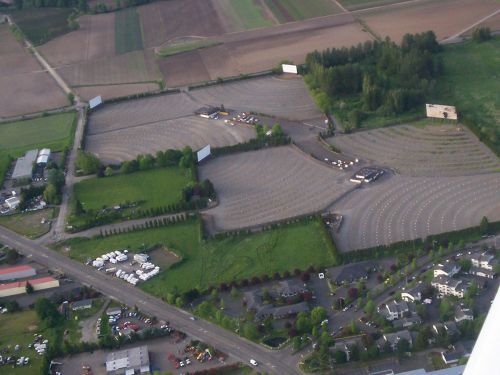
[253, 362]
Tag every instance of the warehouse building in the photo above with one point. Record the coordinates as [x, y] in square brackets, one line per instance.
[130, 361]
[24, 166]
[43, 157]
[19, 287]
[17, 272]
[12, 203]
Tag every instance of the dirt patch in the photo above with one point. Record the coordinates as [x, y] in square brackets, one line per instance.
[32, 327]
[164, 257]
[114, 91]
[445, 18]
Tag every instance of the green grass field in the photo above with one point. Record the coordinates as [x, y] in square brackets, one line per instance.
[128, 33]
[471, 82]
[18, 329]
[29, 224]
[295, 10]
[42, 24]
[54, 132]
[186, 47]
[247, 14]
[154, 188]
[206, 263]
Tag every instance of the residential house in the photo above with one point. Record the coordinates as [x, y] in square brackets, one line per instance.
[450, 328]
[447, 268]
[483, 260]
[394, 338]
[413, 294]
[407, 322]
[447, 286]
[396, 310]
[482, 272]
[354, 272]
[463, 313]
[290, 288]
[81, 305]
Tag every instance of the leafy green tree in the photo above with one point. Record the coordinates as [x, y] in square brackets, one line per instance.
[465, 264]
[145, 162]
[180, 302]
[78, 208]
[47, 312]
[481, 34]
[296, 342]
[11, 256]
[108, 172]
[50, 195]
[484, 225]
[402, 347]
[276, 130]
[250, 331]
[445, 309]
[29, 288]
[234, 293]
[303, 323]
[340, 356]
[369, 308]
[87, 163]
[318, 314]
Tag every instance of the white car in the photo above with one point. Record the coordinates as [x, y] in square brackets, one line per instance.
[254, 362]
[321, 275]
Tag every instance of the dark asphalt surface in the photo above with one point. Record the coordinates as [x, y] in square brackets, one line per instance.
[274, 362]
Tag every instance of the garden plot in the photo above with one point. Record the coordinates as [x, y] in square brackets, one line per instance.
[405, 208]
[260, 187]
[124, 144]
[432, 150]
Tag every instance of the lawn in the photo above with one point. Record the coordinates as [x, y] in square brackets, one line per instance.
[471, 81]
[186, 47]
[248, 14]
[296, 10]
[18, 329]
[29, 224]
[54, 132]
[128, 33]
[152, 188]
[211, 262]
[42, 24]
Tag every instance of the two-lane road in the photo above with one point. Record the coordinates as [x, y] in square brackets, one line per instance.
[240, 348]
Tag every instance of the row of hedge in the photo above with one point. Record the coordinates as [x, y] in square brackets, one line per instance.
[252, 145]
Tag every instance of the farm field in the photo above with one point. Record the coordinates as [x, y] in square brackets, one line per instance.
[296, 10]
[471, 83]
[29, 224]
[363, 4]
[210, 262]
[114, 91]
[132, 67]
[165, 21]
[128, 36]
[187, 46]
[54, 132]
[246, 14]
[42, 24]
[404, 208]
[423, 149]
[427, 15]
[18, 329]
[263, 186]
[124, 144]
[21, 73]
[151, 188]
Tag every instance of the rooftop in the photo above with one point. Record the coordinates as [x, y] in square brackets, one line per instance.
[4, 271]
[24, 164]
[134, 358]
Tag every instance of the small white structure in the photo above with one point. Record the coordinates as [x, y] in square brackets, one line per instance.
[448, 112]
[203, 153]
[95, 102]
[287, 68]
[12, 202]
[43, 156]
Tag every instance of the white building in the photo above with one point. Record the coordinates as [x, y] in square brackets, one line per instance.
[12, 202]
[129, 361]
[448, 268]
[447, 286]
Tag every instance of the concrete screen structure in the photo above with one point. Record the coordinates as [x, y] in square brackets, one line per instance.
[17, 272]
[24, 166]
[289, 68]
[203, 153]
[441, 111]
[95, 102]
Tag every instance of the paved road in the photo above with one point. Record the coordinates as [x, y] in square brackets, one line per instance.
[271, 361]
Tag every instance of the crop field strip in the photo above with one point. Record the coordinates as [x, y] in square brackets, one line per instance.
[296, 10]
[430, 151]
[404, 208]
[128, 34]
[274, 184]
[246, 14]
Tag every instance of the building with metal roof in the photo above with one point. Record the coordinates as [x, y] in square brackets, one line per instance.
[19, 287]
[24, 165]
[129, 361]
[16, 272]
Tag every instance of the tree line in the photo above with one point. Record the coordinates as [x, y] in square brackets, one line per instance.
[389, 78]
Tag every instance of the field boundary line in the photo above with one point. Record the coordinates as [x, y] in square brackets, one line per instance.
[402, 3]
[340, 6]
[451, 38]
